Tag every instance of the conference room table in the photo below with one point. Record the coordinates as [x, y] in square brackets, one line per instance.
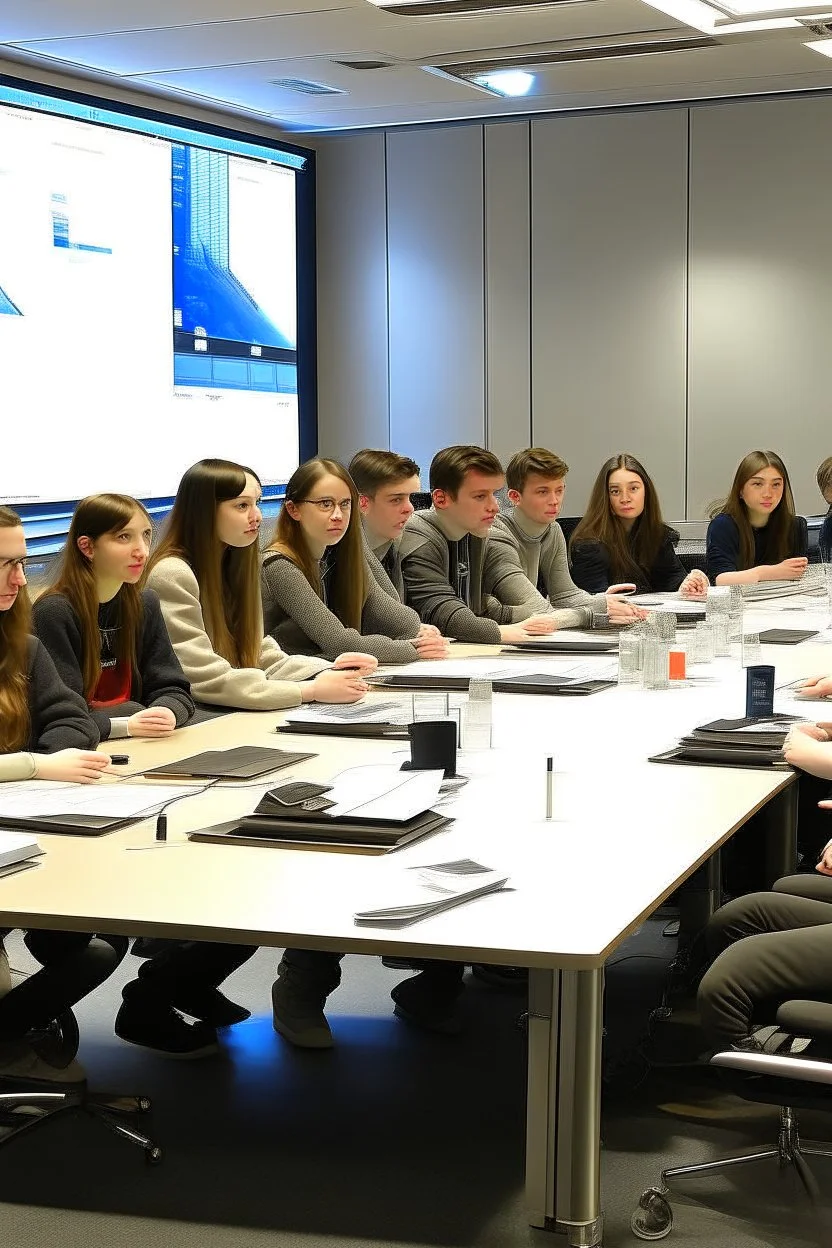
[624, 834]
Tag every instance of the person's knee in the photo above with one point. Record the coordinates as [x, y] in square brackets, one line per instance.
[102, 956]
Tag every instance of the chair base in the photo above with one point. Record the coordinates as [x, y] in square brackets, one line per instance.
[653, 1219]
[25, 1108]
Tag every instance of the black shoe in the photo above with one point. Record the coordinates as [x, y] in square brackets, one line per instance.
[423, 1003]
[210, 1006]
[149, 946]
[508, 978]
[164, 1030]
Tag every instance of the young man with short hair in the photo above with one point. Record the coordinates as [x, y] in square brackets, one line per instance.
[385, 481]
[443, 548]
[526, 566]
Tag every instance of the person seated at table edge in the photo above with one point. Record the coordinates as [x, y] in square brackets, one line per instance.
[206, 571]
[526, 564]
[319, 596]
[824, 476]
[623, 538]
[756, 535]
[385, 482]
[46, 733]
[442, 552]
[106, 637]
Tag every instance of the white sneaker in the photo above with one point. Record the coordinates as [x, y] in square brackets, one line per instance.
[20, 1063]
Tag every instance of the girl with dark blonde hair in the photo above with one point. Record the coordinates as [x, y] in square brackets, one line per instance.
[622, 539]
[107, 637]
[45, 733]
[206, 572]
[319, 596]
[756, 535]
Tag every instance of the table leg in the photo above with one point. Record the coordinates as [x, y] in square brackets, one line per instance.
[563, 1125]
[779, 819]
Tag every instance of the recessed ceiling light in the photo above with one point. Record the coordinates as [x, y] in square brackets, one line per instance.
[506, 81]
[715, 19]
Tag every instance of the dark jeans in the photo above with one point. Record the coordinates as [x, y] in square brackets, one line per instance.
[769, 948]
[73, 964]
[315, 973]
[184, 968]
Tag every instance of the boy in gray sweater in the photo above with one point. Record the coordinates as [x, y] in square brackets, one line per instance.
[443, 549]
[525, 567]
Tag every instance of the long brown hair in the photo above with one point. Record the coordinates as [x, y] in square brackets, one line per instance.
[779, 531]
[15, 626]
[631, 554]
[349, 580]
[95, 516]
[228, 576]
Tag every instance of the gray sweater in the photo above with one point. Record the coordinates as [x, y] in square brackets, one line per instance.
[390, 580]
[270, 686]
[302, 623]
[58, 718]
[520, 556]
[429, 588]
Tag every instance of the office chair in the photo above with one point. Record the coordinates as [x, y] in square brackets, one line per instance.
[771, 1079]
[24, 1105]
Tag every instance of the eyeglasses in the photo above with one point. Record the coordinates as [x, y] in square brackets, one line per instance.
[328, 505]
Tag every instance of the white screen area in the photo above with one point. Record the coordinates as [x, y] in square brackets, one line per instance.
[148, 311]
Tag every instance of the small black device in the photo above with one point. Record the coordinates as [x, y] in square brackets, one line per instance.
[759, 691]
[297, 792]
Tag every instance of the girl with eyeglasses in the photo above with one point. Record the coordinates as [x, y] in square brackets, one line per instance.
[756, 535]
[46, 733]
[319, 596]
[107, 637]
[206, 572]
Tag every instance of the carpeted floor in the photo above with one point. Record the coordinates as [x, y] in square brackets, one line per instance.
[393, 1138]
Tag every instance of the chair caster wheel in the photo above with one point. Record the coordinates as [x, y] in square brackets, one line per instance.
[143, 1104]
[153, 1155]
[654, 1218]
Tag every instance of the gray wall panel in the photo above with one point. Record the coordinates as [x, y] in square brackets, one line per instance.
[609, 212]
[352, 295]
[436, 285]
[507, 288]
[761, 291]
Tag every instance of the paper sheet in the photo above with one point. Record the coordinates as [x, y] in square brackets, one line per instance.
[25, 800]
[383, 792]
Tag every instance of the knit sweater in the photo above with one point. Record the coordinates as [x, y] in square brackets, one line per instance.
[428, 553]
[270, 686]
[522, 559]
[302, 623]
[723, 544]
[157, 679]
[385, 563]
[59, 719]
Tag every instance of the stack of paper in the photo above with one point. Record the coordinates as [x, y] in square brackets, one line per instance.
[425, 891]
[16, 851]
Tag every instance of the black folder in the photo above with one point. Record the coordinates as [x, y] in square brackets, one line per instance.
[241, 762]
[711, 756]
[74, 824]
[542, 682]
[786, 636]
[331, 728]
[591, 644]
[311, 829]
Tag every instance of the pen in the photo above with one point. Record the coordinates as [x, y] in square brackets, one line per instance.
[161, 827]
[119, 760]
[549, 778]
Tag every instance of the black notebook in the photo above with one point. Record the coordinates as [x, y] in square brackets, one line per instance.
[786, 636]
[331, 728]
[591, 644]
[72, 825]
[242, 762]
[313, 830]
[713, 756]
[541, 682]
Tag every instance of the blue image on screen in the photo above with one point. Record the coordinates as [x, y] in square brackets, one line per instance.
[209, 299]
[7, 308]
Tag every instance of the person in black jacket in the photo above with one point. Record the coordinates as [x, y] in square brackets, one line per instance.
[623, 541]
[110, 643]
[107, 638]
[46, 733]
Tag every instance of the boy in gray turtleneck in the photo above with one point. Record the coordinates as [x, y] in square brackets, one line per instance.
[525, 565]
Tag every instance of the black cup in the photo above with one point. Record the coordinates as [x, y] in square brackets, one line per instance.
[432, 746]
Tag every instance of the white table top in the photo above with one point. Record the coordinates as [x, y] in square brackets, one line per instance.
[625, 832]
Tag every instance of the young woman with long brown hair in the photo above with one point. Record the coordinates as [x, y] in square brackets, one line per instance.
[206, 572]
[622, 537]
[319, 595]
[756, 535]
[107, 637]
[46, 733]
